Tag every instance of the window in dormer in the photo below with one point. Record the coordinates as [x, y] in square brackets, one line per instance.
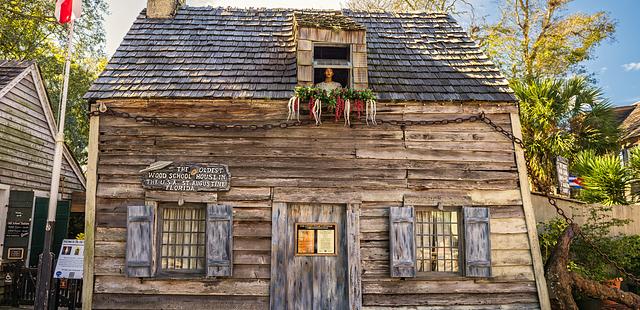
[336, 57]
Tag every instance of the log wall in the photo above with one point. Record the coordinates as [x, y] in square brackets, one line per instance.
[465, 164]
[27, 144]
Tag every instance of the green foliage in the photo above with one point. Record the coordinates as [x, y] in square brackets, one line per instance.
[28, 31]
[604, 177]
[305, 93]
[539, 38]
[561, 117]
[624, 250]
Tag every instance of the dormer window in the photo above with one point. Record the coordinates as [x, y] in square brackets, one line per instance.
[336, 57]
[331, 40]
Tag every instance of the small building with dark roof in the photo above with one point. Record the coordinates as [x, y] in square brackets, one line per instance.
[220, 177]
[27, 141]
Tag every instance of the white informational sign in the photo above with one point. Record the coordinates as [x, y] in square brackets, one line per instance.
[562, 168]
[70, 260]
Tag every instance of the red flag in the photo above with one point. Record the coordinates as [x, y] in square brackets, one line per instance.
[68, 10]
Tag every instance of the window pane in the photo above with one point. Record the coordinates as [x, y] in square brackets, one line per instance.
[437, 240]
[183, 239]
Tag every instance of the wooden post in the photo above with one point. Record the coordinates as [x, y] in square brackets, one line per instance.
[530, 218]
[278, 286]
[90, 212]
[353, 256]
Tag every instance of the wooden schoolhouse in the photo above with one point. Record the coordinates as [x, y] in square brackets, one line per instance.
[221, 177]
[27, 137]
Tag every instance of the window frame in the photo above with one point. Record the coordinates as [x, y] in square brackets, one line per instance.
[188, 273]
[349, 64]
[461, 247]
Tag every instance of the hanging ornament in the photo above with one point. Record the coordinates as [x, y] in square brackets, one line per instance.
[339, 108]
[371, 112]
[358, 106]
[294, 108]
[347, 113]
[316, 111]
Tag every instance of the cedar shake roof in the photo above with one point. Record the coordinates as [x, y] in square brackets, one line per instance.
[630, 122]
[206, 52]
[326, 20]
[10, 69]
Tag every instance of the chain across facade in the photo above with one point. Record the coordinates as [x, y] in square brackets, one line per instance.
[103, 110]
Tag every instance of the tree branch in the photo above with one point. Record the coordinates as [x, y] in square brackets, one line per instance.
[561, 282]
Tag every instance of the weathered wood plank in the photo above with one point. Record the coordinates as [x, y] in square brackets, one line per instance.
[449, 299]
[90, 213]
[213, 287]
[533, 306]
[543, 294]
[153, 302]
[353, 252]
[509, 242]
[278, 289]
[420, 286]
[508, 225]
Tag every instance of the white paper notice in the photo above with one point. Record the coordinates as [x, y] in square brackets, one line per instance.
[70, 260]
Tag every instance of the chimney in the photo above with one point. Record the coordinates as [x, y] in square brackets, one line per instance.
[162, 8]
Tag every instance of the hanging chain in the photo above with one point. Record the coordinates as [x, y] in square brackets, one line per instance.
[402, 123]
[267, 126]
[554, 203]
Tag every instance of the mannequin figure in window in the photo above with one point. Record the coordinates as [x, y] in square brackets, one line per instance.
[328, 84]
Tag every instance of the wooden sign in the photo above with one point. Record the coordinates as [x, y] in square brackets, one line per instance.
[316, 239]
[186, 177]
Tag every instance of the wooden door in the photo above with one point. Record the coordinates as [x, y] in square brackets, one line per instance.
[317, 282]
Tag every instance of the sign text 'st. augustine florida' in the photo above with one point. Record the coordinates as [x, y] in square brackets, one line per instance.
[188, 178]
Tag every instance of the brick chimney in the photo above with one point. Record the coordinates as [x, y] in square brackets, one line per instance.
[162, 8]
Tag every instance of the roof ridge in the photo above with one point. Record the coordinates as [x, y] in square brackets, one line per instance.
[292, 9]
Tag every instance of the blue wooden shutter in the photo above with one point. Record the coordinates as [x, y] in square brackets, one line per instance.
[139, 255]
[477, 242]
[219, 240]
[402, 244]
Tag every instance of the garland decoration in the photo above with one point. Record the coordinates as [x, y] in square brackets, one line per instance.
[294, 109]
[341, 101]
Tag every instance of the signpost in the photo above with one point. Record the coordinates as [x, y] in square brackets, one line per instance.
[69, 265]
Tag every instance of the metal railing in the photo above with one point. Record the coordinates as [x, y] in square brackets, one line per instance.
[20, 288]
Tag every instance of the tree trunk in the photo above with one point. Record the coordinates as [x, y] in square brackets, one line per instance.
[561, 282]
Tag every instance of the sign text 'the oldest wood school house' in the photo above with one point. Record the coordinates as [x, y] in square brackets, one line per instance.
[305, 159]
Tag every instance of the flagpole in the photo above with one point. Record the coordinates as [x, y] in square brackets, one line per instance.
[45, 264]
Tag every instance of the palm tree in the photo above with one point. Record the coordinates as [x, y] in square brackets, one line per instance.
[605, 179]
[561, 117]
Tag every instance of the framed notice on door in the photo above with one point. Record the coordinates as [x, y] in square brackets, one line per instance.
[316, 239]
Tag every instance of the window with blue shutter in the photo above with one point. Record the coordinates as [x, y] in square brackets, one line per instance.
[402, 246]
[219, 240]
[139, 252]
[477, 242]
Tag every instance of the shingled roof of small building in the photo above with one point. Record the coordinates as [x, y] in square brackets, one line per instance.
[206, 52]
[10, 69]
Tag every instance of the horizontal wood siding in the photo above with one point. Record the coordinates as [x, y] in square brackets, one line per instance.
[26, 155]
[456, 164]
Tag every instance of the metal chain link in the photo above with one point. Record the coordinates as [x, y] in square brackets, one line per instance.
[281, 125]
[554, 203]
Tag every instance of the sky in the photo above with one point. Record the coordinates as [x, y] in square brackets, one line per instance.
[616, 65]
